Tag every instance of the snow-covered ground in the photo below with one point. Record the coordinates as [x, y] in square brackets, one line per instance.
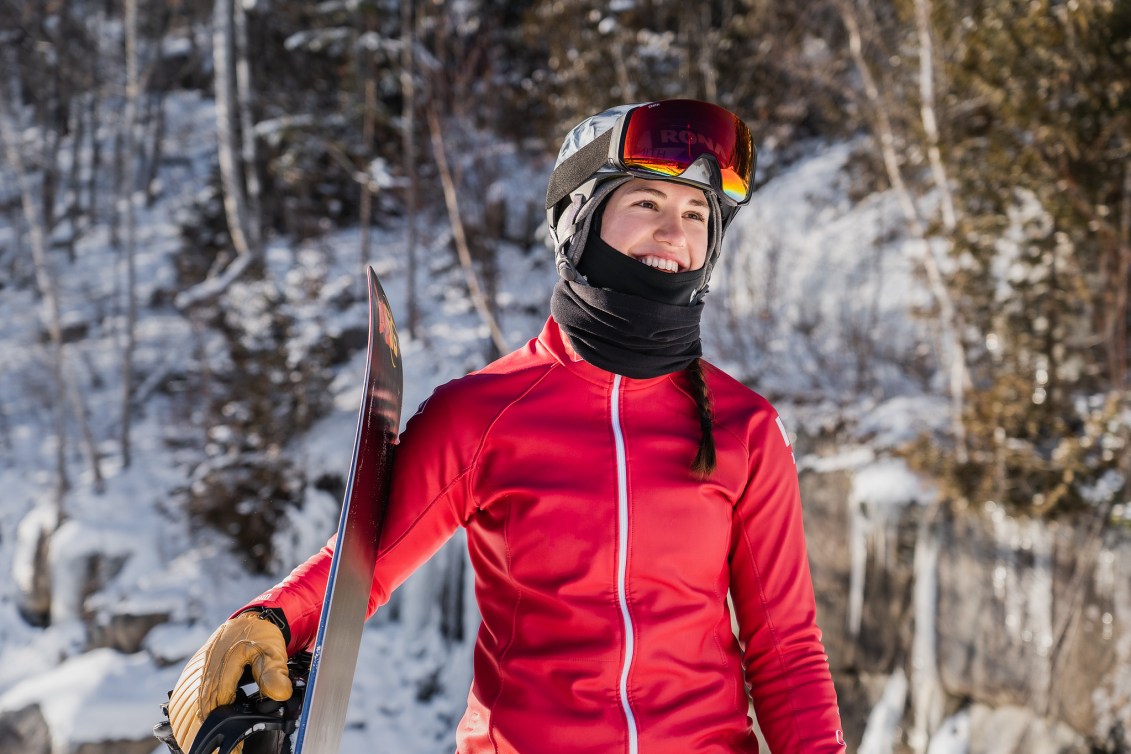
[802, 254]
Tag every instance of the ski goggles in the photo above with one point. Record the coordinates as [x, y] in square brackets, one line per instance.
[688, 141]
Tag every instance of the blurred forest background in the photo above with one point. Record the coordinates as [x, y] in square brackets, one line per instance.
[999, 131]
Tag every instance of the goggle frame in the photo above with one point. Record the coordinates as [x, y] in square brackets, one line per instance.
[704, 170]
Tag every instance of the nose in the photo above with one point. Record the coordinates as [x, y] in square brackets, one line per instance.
[670, 229]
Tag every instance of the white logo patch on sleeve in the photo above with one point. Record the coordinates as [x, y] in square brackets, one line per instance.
[785, 436]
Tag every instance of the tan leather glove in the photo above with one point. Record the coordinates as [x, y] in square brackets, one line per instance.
[211, 677]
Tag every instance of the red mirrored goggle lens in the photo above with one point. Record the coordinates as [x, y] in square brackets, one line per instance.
[665, 138]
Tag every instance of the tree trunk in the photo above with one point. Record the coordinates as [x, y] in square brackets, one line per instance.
[89, 444]
[949, 317]
[408, 157]
[10, 132]
[927, 113]
[235, 199]
[126, 204]
[367, 129]
[1117, 314]
[451, 200]
[156, 146]
[244, 93]
[95, 160]
[78, 134]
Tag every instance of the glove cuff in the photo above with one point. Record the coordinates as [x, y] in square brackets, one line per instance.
[275, 616]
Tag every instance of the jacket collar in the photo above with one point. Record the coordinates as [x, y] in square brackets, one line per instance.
[557, 344]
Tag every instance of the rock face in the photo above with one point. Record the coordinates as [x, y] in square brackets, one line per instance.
[24, 731]
[124, 632]
[1025, 623]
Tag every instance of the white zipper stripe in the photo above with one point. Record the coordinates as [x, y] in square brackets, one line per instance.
[622, 563]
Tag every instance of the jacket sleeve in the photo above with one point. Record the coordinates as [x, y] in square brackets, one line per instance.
[428, 499]
[786, 667]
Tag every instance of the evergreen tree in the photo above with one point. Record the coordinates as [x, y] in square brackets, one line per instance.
[1038, 123]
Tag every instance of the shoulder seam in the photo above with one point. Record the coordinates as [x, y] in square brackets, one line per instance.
[473, 466]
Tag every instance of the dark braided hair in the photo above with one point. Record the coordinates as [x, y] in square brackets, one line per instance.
[704, 463]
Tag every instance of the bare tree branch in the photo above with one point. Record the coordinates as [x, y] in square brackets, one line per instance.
[927, 112]
[460, 237]
[244, 94]
[235, 199]
[950, 325]
[126, 203]
[408, 156]
[10, 131]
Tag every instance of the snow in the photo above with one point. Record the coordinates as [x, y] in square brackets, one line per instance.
[815, 273]
[37, 523]
[94, 696]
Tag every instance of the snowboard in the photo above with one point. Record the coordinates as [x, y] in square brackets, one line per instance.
[334, 655]
[322, 679]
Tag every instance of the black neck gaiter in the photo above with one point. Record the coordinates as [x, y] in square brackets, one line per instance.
[627, 334]
[631, 319]
[605, 267]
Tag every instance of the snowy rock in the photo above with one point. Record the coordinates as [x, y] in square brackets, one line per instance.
[101, 701]
[30, 570]
[1048, 605]
[1024, 622]
[125, 632]
[1017, 730]
[996, 594]
[25, 731]
[173, 644]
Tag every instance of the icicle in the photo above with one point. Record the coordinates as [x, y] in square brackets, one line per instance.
[1113, 595]
[1023, 583]
[419, 599]
[881, 489]
[1038, 631]
[471, 617]
[927, 696]
[953, 736]
[1105, 591]
[883, 722]
[858, 549]
[461, 668]
[1007, 542]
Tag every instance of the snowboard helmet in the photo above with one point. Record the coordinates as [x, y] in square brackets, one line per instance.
[685, 141]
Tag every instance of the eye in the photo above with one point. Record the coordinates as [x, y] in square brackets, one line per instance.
[646, 204]
[696, 215]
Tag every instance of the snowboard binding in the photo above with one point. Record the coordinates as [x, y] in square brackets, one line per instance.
[262, 724]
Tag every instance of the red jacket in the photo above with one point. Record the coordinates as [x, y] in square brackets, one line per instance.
[603, 565]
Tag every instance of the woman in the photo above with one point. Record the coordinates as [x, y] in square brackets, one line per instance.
[614, 488]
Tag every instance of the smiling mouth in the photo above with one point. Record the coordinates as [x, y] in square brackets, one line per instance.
[659, 263]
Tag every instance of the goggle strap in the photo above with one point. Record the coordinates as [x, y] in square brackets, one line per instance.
[578, 168]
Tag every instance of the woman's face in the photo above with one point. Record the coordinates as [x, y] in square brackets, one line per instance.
[662, 224]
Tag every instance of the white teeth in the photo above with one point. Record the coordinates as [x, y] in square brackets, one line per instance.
[667, 265]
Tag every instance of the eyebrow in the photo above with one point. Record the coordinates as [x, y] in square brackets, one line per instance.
[657, 192]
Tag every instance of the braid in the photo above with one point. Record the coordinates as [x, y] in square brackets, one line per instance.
[704, 463]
